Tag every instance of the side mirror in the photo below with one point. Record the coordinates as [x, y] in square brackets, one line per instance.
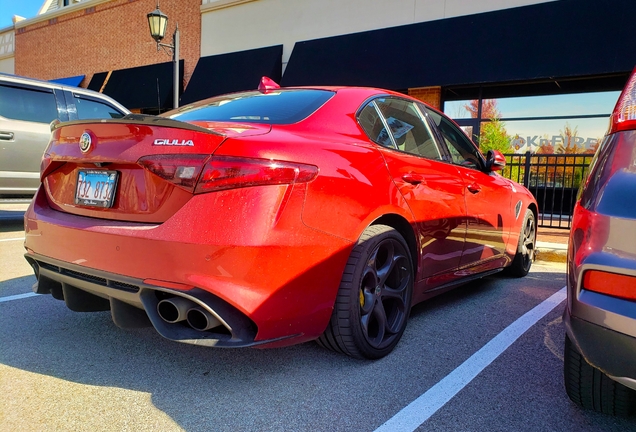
[495, 160]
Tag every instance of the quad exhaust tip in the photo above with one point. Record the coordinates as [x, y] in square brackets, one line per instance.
[202, 320]
[174, 310]
[177, 309]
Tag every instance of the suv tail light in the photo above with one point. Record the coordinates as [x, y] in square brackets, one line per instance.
[203, 173]
[624, 115]
[612, 284]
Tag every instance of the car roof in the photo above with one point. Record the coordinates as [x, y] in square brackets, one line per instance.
[4, 77]
[361, 91]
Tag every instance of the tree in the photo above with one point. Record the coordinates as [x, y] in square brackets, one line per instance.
[493, 136]
[488, 108]
[559, 170]
[568, 134]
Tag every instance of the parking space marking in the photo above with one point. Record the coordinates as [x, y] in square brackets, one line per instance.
[421, 409]
[11, 239]
[16, 297]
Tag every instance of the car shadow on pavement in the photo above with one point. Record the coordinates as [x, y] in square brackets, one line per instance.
[11, 223]
[302, 387]
[16, 286]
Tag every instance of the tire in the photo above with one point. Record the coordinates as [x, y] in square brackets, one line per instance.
[591, 389]
[374, 299]
[526, 247]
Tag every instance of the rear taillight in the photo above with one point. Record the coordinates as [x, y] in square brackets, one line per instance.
[203, 173]
[612, 284]
[231, 172]
[44, 165]
[180, 170]
[47, 166]
[624, 115]
[589, 235]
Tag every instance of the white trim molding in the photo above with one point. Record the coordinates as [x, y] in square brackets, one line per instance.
[75, 7]
[7, 44]
[211, 5]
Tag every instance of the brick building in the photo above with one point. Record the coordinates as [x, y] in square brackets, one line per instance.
[529, 56]
[101, 41]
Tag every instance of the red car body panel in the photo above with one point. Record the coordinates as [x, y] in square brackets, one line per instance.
[274, 253]
[247, 266]
[439, 201]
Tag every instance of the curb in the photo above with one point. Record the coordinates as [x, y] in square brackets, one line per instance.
[551, 252]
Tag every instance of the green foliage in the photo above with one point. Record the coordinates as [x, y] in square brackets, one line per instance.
[493, 136]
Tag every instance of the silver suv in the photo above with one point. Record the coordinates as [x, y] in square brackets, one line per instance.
[27, 108]
[600, 317]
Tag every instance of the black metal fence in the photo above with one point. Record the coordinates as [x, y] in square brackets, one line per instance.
[553, 179]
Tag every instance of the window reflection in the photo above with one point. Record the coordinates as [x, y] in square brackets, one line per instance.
[570, 124]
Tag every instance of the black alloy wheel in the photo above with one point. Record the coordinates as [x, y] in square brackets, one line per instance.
[526, 248]
[374, 299]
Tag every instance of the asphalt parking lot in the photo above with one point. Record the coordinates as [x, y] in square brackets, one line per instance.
[486, 356]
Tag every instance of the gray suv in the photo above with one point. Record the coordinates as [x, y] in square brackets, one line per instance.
[600, 317]
[27, 108]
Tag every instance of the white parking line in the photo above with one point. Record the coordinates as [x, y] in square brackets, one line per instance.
[12, 239]
[422, 408]
[16, 297]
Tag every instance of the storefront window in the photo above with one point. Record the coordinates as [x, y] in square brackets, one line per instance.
[571, 123]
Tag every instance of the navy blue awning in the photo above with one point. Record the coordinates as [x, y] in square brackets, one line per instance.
[566, 38]
[140, 87]
[97, 81]
[231, 72]
[70, 81]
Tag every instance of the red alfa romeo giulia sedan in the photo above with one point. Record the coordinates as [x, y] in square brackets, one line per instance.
[273, 217]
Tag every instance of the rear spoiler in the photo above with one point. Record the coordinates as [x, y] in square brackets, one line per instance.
[148, 120]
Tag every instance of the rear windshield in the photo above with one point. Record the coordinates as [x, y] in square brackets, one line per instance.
[273, 107]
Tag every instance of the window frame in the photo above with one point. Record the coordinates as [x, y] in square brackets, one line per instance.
[422, 116]
[484, 93]
[480, 156]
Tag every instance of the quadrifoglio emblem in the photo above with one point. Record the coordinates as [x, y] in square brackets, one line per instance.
[174, 142]
[85, 142]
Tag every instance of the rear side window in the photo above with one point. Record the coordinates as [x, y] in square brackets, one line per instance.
[275, 107]
[19, 103]
[91, 109]
[408, 131]
[462, 151]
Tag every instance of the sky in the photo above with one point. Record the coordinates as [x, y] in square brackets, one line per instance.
[24, 8]
[556, 105]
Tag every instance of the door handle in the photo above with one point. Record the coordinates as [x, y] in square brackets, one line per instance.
[474, 188]
[7, 136]
[414, 178]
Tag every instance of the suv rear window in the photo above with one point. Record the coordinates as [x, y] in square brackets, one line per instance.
[19, 103]
[92, 109]
[274, 107]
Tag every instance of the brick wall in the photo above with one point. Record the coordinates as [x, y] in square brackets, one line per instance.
[104, 37]
[430, 95]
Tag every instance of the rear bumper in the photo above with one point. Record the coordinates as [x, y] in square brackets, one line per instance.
[609, 351]
[133, 303]
[603, 327]
[271, 280]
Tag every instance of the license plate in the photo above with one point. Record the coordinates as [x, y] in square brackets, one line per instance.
[96, 188]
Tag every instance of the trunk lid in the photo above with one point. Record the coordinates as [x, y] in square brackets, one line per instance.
[139, 168]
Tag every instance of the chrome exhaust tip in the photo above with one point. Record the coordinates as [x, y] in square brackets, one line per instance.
[201, 320]
[175, 309]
